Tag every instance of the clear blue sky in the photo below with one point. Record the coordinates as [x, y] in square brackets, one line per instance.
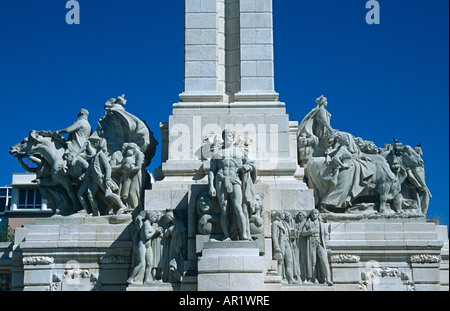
[381, 81]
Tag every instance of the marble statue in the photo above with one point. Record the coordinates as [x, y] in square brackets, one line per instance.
[300, 220]
[79, 132]
[317, 236]
[93, 173]
[204, 208]
[174, 246]
[257, 219]
[231, 179]
[143, 257]
[97, 179]
[352, 175]
[282, 247]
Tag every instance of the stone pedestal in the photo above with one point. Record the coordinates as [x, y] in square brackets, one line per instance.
[231, 266]
[389, 255]
[72, 254]
[5, 265]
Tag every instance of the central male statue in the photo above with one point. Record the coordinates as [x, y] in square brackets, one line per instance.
[231, 180]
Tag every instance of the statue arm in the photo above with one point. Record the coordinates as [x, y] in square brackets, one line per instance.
[83, 163]
[307, 230]
[139, 162]
[71, 129]
[211, 177]
[106, 165]
[248, 165]
[275, 234]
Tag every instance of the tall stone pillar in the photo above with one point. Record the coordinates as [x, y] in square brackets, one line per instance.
[256, 51]
[229, 84]
[229, 51]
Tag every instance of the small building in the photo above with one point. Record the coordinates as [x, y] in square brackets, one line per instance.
[21, 201]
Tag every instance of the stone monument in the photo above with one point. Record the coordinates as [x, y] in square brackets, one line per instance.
[245, 199]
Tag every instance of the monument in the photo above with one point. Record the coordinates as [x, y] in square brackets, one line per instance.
[244, 199]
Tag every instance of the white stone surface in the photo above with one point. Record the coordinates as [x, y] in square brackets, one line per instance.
[230, 269]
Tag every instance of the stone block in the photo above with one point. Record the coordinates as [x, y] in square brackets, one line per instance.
[37, 277]
[214, 281]
[429, 275]
[208, 264]
[247, 281]
[346, 273]
[257, 53]
[427, 288]
[114, 276]
[201, 21]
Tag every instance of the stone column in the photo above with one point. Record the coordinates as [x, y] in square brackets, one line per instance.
[202, 27]
[256, 51]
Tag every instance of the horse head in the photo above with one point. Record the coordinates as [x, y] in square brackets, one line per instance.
[27, 146]
[47, 144]
[410, 158]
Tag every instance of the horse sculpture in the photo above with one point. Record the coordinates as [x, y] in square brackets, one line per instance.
[351, 175]
[128, 147]
[51, 149]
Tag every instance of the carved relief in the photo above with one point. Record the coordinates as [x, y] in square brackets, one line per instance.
[345, 258]
[425, 258]
[376, 275]
[37, 260]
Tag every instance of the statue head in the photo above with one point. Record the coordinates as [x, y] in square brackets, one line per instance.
[300, 216]
[287, 216]
[204, 204]
[68, 156]
[322, 101]
[314, 215]
[83, 113]
[280, 215]
[259, 202]
[121, 100]
[228, 137]
[129, 149]
[169, 217]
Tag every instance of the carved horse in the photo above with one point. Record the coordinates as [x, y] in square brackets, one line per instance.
[405, 162]
[383, 183]
[51, 147]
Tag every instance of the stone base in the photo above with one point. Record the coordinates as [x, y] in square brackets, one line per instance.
[76, 253]
[93, 253]
[230, 266]
[162, 287]
[390, 255]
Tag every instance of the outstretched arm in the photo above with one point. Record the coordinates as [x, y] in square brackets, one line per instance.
[71, 129]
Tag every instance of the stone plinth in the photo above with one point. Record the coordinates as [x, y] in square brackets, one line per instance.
[230, 266]
[5, 265]
[72, 254]
[389, 255]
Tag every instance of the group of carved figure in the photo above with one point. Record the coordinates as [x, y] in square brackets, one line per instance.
[159, 248]
[352, 175]
[103, 173]
[98, 173]
[300, 247]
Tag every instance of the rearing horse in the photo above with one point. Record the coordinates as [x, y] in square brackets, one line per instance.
[51, 147]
